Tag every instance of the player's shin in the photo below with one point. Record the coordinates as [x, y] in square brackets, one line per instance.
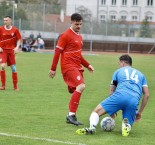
[15, 80]
[74, 102]
[3, 79]
[94, 119]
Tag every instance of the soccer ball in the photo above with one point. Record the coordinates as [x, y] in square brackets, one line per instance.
[107, 124]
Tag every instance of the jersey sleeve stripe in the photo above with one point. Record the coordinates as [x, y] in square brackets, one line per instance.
[59, 47]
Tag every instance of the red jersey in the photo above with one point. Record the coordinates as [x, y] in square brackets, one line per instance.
[71, 45]
[9, 37]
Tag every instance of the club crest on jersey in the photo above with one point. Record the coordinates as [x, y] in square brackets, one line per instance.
[12, 34]
[78, 78]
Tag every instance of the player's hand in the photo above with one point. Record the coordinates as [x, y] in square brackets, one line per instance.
[1, 50]
[114, 115]
[52, 73]
[138, 116]
[91, 69]
[15, 50]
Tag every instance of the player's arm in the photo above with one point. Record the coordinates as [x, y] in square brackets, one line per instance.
[52, 71]
[1, 50]
[113, 86]
[112, 89]
[143, 103]
[19, 41]
[86, 64]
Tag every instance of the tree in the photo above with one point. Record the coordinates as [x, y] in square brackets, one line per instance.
[85, 13]
[145, 30]
[7, 9]
[4, 9]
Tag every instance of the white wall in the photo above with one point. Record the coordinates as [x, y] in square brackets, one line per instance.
[141, 10]
[89, 4]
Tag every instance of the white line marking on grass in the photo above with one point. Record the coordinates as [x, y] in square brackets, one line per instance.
[37, 138]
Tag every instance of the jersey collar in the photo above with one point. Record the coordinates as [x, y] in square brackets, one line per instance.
[74, 31]
[7, 28]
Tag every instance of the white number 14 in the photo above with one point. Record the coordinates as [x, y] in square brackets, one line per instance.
[133, 75]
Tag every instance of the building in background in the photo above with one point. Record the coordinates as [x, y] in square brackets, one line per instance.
[114, 10]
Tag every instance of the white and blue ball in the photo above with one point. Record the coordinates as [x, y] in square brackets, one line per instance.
[107, 124]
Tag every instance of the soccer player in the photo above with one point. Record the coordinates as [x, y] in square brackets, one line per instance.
[10, 41]
[126, 89]
[69, 46]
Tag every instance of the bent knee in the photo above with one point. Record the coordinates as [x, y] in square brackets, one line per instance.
[80, 87]
[3, 66]
[99, 110]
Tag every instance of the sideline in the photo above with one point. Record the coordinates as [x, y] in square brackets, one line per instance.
[42, 139]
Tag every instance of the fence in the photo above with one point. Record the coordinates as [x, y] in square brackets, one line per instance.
[47, 20]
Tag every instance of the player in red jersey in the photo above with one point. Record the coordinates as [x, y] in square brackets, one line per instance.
[10, 41]
[69, 46]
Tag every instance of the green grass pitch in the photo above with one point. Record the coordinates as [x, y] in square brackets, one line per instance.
[36, 114]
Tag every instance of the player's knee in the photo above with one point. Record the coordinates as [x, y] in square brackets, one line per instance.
[81, 87]
[13, 67]
[3, 66]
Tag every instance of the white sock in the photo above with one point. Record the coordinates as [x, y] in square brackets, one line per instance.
[71, 113]
[94, 119]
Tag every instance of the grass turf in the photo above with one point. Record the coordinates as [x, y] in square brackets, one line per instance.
[40, 107]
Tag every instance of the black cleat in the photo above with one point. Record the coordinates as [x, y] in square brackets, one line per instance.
[72, 120]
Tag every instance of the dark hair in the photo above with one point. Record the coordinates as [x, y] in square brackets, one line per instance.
[76, 17]
[8, 17]
[126, 58]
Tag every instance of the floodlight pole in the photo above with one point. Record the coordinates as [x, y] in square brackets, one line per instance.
[43, 17]
[91, 41]
[128, 38]
[13, 12]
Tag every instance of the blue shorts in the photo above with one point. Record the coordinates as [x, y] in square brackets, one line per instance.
[121, 101]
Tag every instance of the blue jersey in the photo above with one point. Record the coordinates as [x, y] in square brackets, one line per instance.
[129, 80]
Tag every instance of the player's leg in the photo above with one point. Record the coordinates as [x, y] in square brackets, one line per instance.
[14, 77]
[12, 63]
[109, 106]
[128, 114]
[71, 89]
[3, 76]
[74, 79]
[0, 62]
[94, 120]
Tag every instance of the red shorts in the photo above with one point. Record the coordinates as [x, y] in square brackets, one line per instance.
[8, 56]
[73, 77]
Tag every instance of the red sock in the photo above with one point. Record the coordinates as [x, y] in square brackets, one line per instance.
[74, 101]
[3, 77]
[15, 80]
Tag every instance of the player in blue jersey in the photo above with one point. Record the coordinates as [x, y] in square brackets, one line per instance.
[126, 89]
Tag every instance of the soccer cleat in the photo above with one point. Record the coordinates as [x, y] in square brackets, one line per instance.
[71, 119]
[2, 88]
[126, 127]
[85, 131]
